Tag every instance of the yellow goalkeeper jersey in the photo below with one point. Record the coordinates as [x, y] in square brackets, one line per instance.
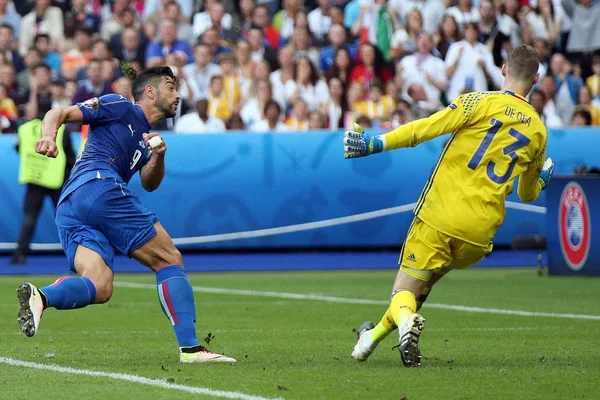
[496, 136]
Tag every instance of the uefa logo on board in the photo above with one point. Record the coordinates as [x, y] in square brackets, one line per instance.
[574, 227]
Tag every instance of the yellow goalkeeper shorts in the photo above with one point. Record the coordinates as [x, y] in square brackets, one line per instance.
[427, 250]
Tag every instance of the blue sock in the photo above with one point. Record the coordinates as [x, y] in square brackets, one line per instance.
[177, 301]
[69, 292]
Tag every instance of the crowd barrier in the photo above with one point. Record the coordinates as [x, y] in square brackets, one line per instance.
[292, 190]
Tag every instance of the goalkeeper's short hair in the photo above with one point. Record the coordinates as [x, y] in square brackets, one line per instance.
[522, 64]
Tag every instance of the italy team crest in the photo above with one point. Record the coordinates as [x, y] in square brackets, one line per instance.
[574, 226]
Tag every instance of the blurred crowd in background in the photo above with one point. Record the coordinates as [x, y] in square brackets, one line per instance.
[295, 65]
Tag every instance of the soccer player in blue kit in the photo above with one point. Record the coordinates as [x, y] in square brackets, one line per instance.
[97, 213]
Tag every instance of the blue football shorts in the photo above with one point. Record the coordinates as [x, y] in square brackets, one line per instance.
[105, 216]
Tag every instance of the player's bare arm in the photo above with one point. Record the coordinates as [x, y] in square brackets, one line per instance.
[153, 173]
[52, 121]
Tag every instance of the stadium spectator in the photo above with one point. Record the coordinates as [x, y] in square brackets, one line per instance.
[464, 13]
[130, 46]
[79, 16]
[298, 119]
[261, 92]
[425, 69]
[185, 30]
[567, 85]
[364, 121]
[342, 66]
[581, 117]
[163, 13]
[593, 81]
[51, 57]
[447, 35]
[337, 39]
[336, 107]
[316, 120]
[301, 44]
[271, 121]
[231, 82]
[153, 6]
[94, 85]
[243, 18]
[123, 17]
[377, 106]
[214, 17]
[8, 108]
[58, 93]
[584, 99]
[33, 58]
[356, 93]
[284, 75]
[262, 19]
[122, 86]
[78, 57]
[423, 105]
[217, 101]
[284, 19]
[7, 47]
[211, 38]
[584, 38]
[168, 43]
[42, 19]
[404, 41]
[199, 121]
[10, 17]
[201, 71]
[319, 20]
[307, 86]
[39, 95]
[469, 64]
[235, 122]
[371, 67]
[538, 100]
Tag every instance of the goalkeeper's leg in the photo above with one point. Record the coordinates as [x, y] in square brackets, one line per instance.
[369, 335]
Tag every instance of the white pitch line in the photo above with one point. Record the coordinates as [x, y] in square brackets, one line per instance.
[131, 378]
[344, 300]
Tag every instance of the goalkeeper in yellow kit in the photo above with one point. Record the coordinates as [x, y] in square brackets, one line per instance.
[495, 137]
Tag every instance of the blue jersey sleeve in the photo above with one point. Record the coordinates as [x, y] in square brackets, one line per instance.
[108, 108]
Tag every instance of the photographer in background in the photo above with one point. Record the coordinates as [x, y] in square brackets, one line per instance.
[44, 176]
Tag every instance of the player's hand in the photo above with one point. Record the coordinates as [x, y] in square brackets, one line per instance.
[359, 144]
[46, 147]
[546, 174]
[159, 150]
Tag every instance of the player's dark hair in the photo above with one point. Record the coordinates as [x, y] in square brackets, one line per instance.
[150, 76]
[523, 63]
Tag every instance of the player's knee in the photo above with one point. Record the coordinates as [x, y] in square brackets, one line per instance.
[104, 292]
[167, 257]
[175, 257]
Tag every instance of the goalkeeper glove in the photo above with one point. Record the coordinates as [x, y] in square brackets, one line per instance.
[546, 174]
[359, 144]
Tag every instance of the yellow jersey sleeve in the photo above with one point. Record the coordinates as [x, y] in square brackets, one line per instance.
[529, 186]
[452, 118]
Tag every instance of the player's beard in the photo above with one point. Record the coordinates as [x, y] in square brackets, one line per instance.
[165, 106]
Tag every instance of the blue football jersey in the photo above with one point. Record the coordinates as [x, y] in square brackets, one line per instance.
[115, 147]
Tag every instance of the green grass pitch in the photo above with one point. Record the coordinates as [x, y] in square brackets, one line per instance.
[300, 348]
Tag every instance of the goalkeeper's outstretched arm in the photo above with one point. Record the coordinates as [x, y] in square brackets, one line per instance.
[446, 121]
